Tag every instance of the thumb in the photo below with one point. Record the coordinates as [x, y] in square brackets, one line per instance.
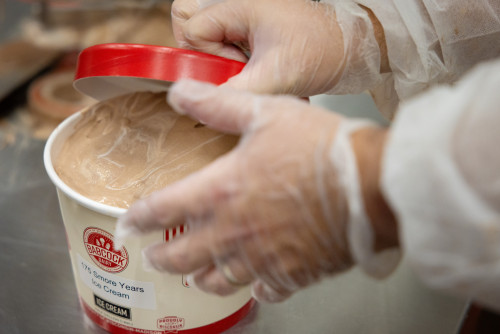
[220, 108]
[254, 78]
[265, 73]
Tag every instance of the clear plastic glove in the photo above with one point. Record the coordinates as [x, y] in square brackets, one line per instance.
[296, 47]
[271, 213]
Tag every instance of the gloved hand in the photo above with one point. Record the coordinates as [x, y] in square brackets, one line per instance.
[297, 47]
[271, 213]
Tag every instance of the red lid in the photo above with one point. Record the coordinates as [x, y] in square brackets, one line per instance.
[107, 70]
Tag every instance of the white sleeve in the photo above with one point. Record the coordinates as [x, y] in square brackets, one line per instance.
[432, 41]
[441, 176]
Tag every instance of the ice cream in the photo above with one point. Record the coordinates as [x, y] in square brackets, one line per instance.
[125, 148]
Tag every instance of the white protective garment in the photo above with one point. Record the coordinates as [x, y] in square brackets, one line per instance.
[361, 58]
[442, 168]
[441, 175]
[431, 41]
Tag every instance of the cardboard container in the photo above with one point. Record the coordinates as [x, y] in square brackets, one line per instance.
[115, 291]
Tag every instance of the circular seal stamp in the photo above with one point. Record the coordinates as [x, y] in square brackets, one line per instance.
[100, 247]
[171, 323]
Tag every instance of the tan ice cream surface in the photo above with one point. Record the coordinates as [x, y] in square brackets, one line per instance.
[127, 147]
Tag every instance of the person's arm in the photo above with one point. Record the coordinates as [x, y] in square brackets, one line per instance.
[441, 176]
[368, 145]
[378, 31]
[431, 42]
[433, 179]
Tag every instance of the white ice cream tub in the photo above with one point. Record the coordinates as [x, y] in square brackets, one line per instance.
[115, 291]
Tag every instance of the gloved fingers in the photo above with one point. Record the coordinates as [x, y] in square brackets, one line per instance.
[263, 292]
[221, 279]
[263, 75]
[268, 205]
[220, 238]
[209, 27]
[189, 198]
[214, 32]
[342, 56]
[222, 109]
[209, 279]
[182, 255]
[183, 10]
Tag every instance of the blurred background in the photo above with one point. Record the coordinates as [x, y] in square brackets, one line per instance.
[39, 45]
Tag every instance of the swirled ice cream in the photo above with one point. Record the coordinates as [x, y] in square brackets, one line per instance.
[125, 148]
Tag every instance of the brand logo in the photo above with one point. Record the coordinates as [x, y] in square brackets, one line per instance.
[100, 247]
[171, 324]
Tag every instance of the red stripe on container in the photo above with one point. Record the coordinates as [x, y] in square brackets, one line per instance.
[213, 328]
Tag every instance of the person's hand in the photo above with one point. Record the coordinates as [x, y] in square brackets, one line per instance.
[270, 213]
[297, 47]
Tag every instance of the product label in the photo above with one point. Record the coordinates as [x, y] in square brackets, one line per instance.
[116, 289]
[100, 247]
[117, 310]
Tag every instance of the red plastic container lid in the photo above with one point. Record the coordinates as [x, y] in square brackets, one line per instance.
[107, 70]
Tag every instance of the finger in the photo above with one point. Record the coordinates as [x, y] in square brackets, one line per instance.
[256, 78]
[181, 11]
[222, 109]
[268, 71]
[262, 292]
[182, 255]
[188, 200]
[264, 74]
[223, 279]
[213, 28]
[209, 279]
[205, 243]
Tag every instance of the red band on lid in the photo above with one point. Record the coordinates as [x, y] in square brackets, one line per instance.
[153, 68]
